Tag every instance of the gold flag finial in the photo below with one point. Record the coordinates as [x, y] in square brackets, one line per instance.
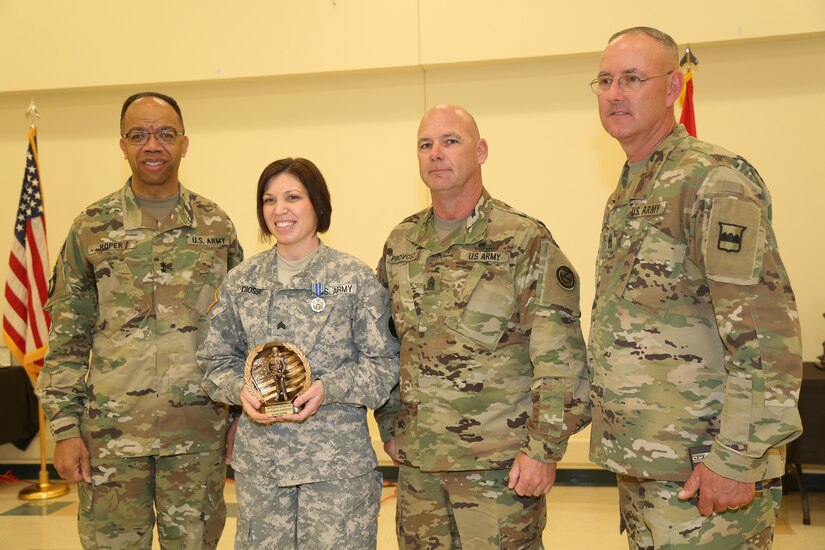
[32, 114]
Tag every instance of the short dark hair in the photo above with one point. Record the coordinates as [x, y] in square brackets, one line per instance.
[666, 41]
[163, 97]
[308, 174]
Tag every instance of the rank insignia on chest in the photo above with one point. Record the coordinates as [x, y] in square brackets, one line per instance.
[430, 284]
[730, 237]
[610, 242]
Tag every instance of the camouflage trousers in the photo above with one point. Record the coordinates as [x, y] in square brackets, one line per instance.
[328, 515]
[473, 510]
[117, 510]
[655, 518]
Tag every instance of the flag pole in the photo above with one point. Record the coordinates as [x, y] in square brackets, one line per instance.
[44, 489]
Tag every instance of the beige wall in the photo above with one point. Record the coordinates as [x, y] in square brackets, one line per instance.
[347, 90]
[52, 44]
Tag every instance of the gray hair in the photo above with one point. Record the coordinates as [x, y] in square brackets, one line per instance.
[668, 44]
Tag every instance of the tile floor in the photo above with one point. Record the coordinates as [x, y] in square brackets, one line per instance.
[579, 517]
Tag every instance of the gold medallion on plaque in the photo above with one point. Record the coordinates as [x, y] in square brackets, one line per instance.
[276, 373]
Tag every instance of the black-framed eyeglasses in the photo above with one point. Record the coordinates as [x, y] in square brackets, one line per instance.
[627, 82]
[163, 136]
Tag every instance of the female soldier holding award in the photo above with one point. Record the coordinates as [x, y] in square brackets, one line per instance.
[301, 318]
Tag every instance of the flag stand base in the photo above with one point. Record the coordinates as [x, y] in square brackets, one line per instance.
[43, 490]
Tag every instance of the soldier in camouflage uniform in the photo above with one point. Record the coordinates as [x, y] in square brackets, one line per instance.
[695, 335]
[493, 375]
[304, 480]
[120, 386]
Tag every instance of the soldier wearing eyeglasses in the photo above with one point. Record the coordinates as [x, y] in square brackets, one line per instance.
[694, 346]
[120, 386]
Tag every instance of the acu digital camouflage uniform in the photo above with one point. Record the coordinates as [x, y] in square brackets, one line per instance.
[492, 356]
[695, 335]
[128, 302]
[349, 348]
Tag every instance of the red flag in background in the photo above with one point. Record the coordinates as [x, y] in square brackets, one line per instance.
[25, 323]
[688, 118]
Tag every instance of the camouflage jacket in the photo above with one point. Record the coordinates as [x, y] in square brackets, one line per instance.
[349, 348]
[492, 356]
[128, 301]
[695, 332]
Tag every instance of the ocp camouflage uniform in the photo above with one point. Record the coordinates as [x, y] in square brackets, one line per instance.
[492, 359]
[317, 474]
[695, 335]
[128, 302]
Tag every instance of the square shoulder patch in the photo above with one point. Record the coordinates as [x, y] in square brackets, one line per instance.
[734, 241]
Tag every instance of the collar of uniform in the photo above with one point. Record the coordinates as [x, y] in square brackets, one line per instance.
[423, 233]
[182, 215]
[639, 187]
[314, 272]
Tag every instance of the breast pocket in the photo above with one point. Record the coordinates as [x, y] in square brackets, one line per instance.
[490, 300]
[207, 274]
[653, 277]
[123, 305]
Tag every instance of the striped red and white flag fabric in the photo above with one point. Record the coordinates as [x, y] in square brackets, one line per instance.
[25, 322]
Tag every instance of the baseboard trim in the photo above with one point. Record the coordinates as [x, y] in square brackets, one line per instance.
[27, 472]
[565, 476]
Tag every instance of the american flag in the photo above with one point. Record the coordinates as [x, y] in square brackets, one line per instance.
[25, 323]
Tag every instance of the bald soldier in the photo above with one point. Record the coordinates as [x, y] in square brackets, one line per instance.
[493, 374]
[694, 343]
[120, 387]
